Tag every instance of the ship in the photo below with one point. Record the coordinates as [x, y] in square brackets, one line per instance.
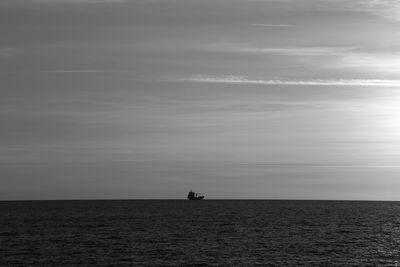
[195, 196]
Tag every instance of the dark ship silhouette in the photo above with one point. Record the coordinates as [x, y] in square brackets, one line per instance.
[194, 196]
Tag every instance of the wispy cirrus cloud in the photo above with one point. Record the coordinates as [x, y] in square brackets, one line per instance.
[279, 51]
[229, 79]
[297, 51]
[67, 71]
[388, 9]
[274, 25]
[387, 63]
[76, 1]
[384, 8]
[339, 57]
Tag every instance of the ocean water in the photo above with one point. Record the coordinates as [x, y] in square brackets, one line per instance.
[199, 233]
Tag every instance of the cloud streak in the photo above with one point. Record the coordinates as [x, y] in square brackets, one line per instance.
[318, 82]
[78, 1]
[297, 51]
[274, 25]
[385, 8]
[388, 9]
[373, 62]
[280, 51]
[66, 71]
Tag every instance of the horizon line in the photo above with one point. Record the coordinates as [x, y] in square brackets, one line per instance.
[206, 199]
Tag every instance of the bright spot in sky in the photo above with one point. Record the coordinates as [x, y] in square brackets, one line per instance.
[387, 116]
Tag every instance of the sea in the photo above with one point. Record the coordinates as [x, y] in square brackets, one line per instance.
[199, 233]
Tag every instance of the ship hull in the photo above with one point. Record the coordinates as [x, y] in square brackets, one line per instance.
[197, 198]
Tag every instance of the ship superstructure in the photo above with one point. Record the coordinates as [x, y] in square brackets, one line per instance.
[194, 196]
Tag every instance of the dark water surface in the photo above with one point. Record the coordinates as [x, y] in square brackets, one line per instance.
[199, 233]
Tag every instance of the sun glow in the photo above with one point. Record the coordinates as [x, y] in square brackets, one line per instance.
[387, 116]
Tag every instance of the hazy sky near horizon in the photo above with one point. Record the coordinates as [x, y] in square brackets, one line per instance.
[293, 99]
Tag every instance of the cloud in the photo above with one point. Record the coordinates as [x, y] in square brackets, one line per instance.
[77, 1]
[297, 51]
[339, 57]
[358, 58]
[280, 51]
[388, 9]
[243, 80]
[384, 8]
[66, 71]
[387, 63]
[273, 25]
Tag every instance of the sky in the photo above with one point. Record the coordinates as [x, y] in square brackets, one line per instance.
[237, 99]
